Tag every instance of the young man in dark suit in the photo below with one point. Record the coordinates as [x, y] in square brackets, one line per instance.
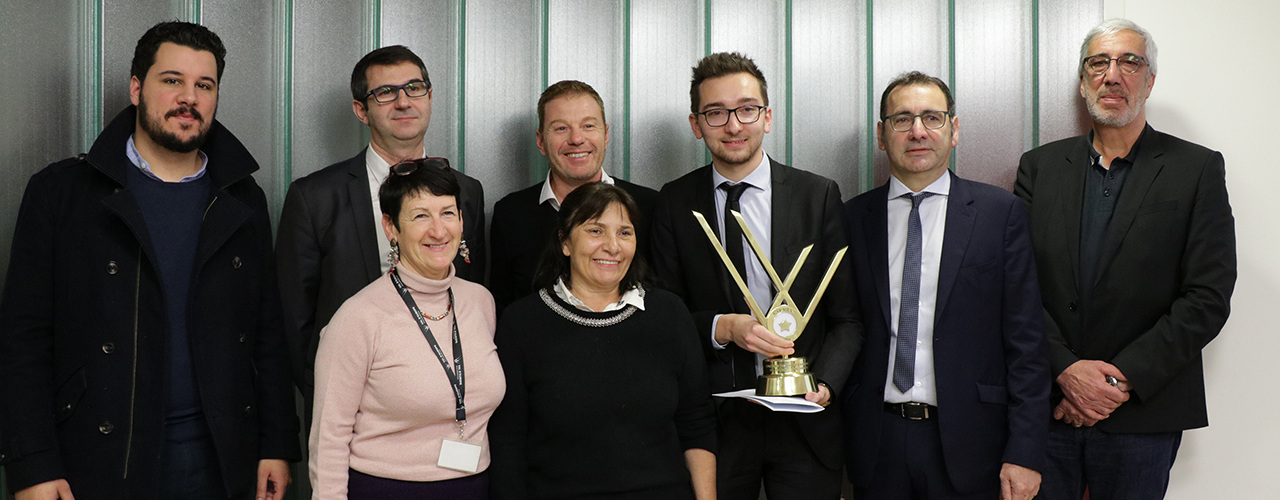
[949, 398]
[795, 455]
[574, 136]
[1135, 244]
[330, 244]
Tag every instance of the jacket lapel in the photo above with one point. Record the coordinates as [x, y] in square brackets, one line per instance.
[362, 214]
[1072, 180]
[876, 237]
[780, 221]
[1146, 169]
[955, 241]
[223, 216]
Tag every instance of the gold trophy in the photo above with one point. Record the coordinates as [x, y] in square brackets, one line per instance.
[783, 375]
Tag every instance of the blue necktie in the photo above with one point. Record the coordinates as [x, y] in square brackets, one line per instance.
[904, 360]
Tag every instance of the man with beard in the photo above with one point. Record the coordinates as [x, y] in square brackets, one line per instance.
[573, 134]
[1135, 247]
[796, 456]
[141, 350]
[330, 243]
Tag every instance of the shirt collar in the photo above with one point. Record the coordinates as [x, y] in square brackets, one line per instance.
[633, 297]
[942, 186]
[135, 157]
[549, 195]
[1096, 157]
[760, 178]
[379, 169]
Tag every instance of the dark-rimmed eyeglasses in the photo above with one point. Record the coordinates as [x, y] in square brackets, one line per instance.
[932, 120]
[389, 93]
[719, 117]
[410, 166]
[1099, 64]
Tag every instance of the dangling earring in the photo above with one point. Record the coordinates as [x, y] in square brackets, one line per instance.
[464, 251]
[394, 255]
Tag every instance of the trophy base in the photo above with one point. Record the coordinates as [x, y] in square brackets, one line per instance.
[785, 376]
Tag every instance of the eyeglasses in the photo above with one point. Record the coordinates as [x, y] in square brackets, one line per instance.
[1099, 64]
[389, 93]
[410, 166]
[719, 117]
[932, 120]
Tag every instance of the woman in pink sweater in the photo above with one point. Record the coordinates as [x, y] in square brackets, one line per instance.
[394, 418]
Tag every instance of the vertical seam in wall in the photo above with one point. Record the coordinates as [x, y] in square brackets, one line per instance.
[372, 40]
[1035, 74]
[538, 167]
[706, 51]
[461, 79]
[869, 165]
[284, 104]
[91, 72]
[790, 96]
[626, 90]
[197, 11]
[951, 64]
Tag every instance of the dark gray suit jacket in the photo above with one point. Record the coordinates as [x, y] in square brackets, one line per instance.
[1167, 271]
[327, 250]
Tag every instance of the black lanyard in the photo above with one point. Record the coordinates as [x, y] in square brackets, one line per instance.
[455, 379]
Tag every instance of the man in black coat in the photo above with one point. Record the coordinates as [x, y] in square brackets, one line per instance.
[141, 350]
[330, 244]
[1135, 246]
[797, 456]
[573, 135]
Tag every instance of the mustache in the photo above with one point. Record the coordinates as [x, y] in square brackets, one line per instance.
[184, 110]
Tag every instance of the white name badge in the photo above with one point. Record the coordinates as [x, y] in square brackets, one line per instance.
[459, 456]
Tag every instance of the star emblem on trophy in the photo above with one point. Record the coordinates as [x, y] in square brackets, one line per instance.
[783, 375]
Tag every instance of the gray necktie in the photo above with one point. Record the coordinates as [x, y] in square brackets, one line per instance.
[904, 361]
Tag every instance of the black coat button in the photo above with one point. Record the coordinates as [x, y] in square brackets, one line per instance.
[235, 262]
[248, 410]
[66, 409]
[106, 427]
[112, 268]
[1071, 306]
[242, 337]
[108, 348]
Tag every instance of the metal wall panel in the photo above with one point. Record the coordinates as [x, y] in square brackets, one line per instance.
[123, 22]
[830, 92]
[909, 35]
[504, 79]
[992, 71]
[758, 29]
[329, 38]
[1063, 24]
[246, 94]
[430, 29]
[666, 41]
[585, 42]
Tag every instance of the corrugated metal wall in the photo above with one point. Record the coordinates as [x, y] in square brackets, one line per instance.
[64, 68]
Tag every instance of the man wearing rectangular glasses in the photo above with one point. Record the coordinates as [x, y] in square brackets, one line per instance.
[1135, 245]
[330, 243]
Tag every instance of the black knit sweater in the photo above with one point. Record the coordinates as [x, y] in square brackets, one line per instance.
[599, 411]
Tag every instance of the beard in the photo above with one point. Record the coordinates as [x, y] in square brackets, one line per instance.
[168, 140]
[1114, 118]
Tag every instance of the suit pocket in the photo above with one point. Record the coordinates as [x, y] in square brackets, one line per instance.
[69, 396]
[1154, 208]
[994, 394]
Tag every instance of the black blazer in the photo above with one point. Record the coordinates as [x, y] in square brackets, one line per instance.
[1165, 279]
[806, 210]
[327, 250]
[990, 368]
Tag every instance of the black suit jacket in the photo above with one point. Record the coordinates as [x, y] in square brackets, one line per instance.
[989, 361]
[327, 250]
[805, 211]
[1165, 279]
[523, 228]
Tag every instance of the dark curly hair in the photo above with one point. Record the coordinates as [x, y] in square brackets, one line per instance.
[189, 35]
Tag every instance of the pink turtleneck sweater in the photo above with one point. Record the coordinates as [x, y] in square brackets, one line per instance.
[383, 403]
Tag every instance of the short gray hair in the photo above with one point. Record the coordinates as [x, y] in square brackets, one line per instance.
[1112, 26]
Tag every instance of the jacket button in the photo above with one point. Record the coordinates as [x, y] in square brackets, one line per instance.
[241, 337]
[106, 427]
[247, 411]
[235, 262]
[1071, 306]
[116, 190]
[108, 348]
[112, 268]
[66, 409]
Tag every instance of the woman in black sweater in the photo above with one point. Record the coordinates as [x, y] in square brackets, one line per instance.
[606, 390]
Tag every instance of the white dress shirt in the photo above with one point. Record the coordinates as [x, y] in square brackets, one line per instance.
[933, 223]
[632, 297]
[756, 208]
[549, 194]
[378, 170]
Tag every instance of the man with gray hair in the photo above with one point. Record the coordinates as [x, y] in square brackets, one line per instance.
[1135, 247]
